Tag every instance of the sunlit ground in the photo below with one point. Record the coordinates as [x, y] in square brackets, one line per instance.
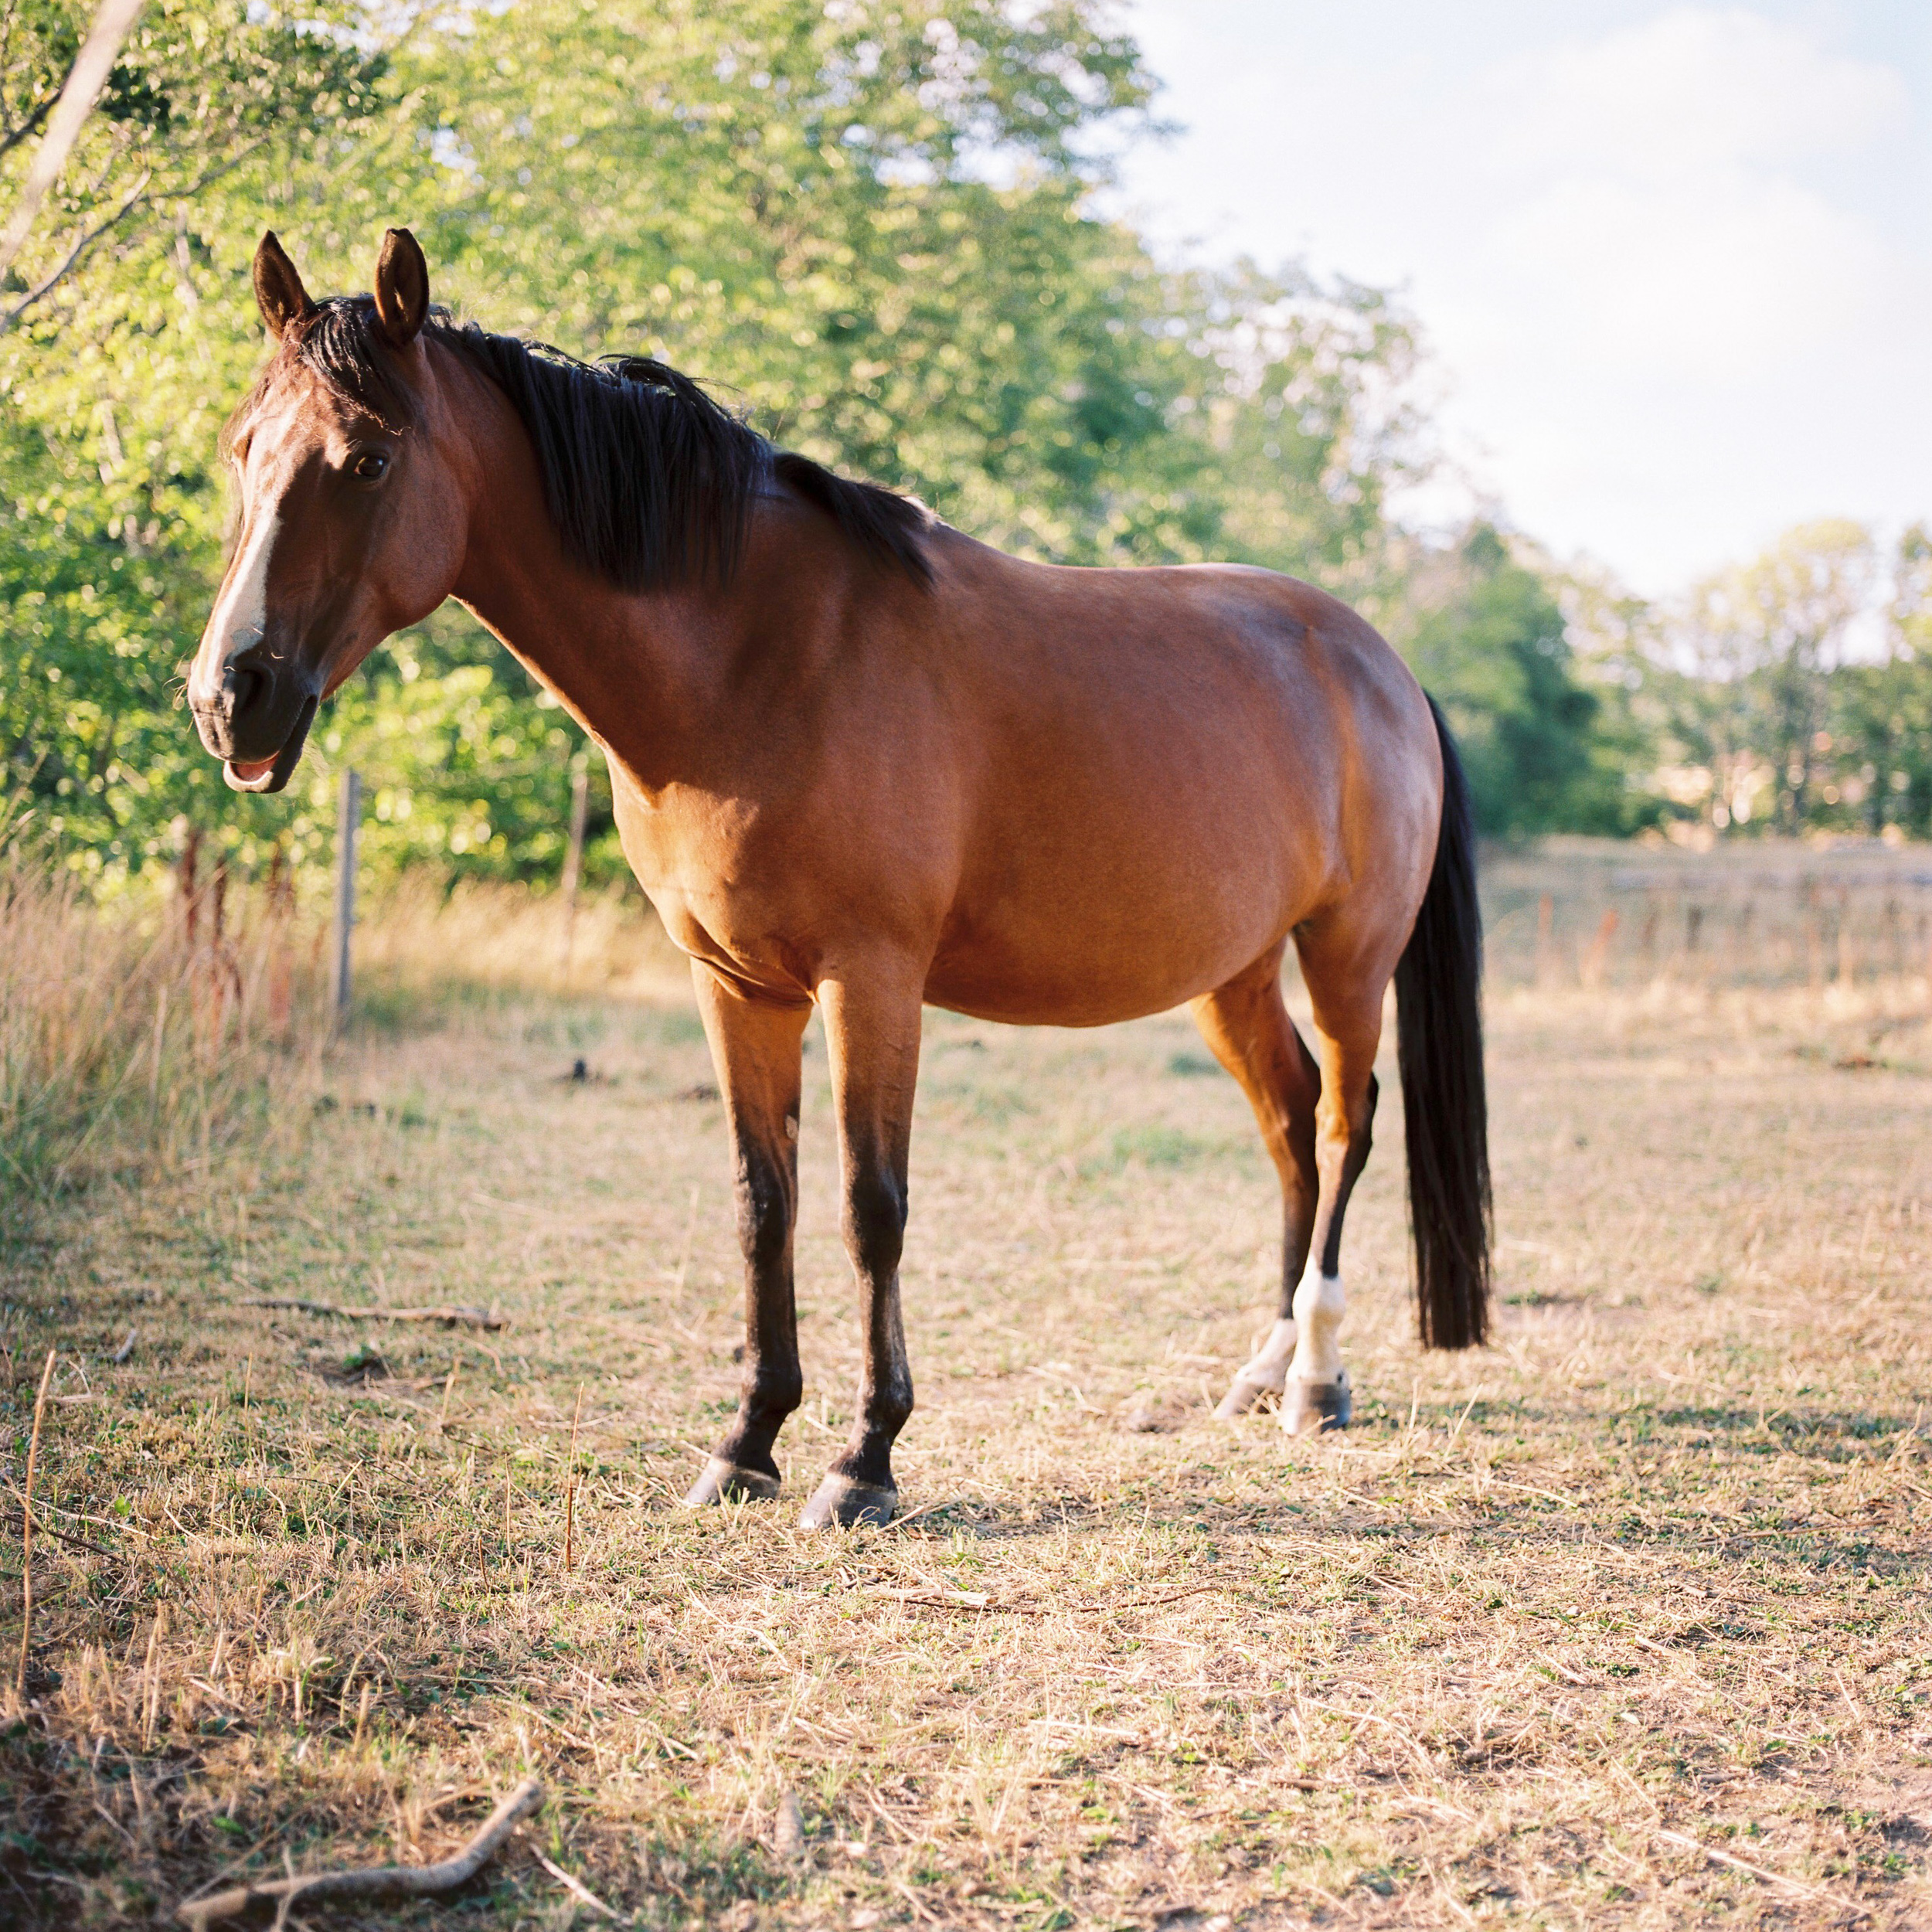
[1620, 1621]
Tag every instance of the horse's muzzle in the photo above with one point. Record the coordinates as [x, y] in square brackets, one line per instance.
[257, 724]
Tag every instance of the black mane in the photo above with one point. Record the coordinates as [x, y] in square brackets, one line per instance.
[651, 483]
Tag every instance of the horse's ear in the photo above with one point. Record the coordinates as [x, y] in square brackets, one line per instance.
[279, 292]
[402, 289]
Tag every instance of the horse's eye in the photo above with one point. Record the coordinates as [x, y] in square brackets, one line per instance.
[369, 465]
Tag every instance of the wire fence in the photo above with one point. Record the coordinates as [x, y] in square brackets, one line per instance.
[1594, 913]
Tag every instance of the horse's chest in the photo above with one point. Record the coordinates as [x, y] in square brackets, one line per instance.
[685, 841]
[712, 875]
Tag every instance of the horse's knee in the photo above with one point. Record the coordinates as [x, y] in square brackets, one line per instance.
[875, 1221]
[764, 1199]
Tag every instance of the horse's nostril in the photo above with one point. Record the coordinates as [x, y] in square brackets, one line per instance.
[245, 685]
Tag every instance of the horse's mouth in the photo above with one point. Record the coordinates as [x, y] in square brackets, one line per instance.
[271, 774]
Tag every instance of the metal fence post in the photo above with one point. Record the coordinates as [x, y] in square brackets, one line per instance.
[349, 811]
[573, 854]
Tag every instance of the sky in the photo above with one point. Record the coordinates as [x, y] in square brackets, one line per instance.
[1673, 263]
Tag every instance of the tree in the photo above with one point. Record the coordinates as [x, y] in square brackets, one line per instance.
[195, 89]
[63, 114]
[872, 224]
[1495, 653]
[1767, 635]
[1879, 715]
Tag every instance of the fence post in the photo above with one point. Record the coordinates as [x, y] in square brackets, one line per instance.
[573, 857]
[349, 811]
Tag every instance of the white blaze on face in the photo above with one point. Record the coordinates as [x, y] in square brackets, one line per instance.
[240, 614]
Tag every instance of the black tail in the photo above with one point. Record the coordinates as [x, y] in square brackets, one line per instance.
[1439, 1048]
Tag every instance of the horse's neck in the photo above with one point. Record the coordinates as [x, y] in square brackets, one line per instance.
[640, 671]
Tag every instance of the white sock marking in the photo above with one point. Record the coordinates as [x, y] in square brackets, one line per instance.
[1319, 1306]
[1268, 1367]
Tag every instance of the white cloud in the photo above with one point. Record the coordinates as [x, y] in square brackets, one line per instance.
[1638, 194]
[1676, 304]
[1698, 88]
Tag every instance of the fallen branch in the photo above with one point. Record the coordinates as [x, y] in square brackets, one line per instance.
[372, 1882]
[450, 1317]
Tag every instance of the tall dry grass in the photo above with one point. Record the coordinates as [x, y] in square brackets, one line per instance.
[139, 1036]
[425, 950]
[156, 1030]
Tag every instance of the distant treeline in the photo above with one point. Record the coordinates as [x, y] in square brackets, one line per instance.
[872, 226]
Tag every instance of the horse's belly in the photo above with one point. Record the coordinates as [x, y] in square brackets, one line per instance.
[1112, 951]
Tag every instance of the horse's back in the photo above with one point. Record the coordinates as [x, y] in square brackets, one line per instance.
[1169, 769]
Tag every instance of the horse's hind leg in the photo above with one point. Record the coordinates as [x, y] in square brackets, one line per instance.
[755, 1047]
[1248, 1027]
[1348, 970]
[872, 1035]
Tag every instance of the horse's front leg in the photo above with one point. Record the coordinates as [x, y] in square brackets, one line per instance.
[755, 1045]
[871, 1031]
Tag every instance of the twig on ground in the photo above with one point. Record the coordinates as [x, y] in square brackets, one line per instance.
[26, 1528]
[788, 1827]
[1689, 1844]
[79, 1542]
[371, 1882]
[977, 1600]
[1563, 1670]
[1530, 1489]
[451, 1316]
[575, 1887]
[126, 1348]
[913, 1516]
[151, 1681]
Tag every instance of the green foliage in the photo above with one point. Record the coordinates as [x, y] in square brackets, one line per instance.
[122, 350]
[870, 224]
[1877, 754]
[1781, 715]
[201, 88]
[1496, 654]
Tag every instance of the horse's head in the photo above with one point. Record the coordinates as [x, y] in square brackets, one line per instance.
[350, 524]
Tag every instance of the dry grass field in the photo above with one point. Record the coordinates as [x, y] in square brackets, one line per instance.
[1623, 1622]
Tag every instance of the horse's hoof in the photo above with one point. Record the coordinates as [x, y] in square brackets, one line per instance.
[1262, 1374]
[1313, 1408]
[723, 1482]
[1243, 1392]
[840, 1503]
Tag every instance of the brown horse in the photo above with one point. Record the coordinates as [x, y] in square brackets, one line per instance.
[862, 761]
